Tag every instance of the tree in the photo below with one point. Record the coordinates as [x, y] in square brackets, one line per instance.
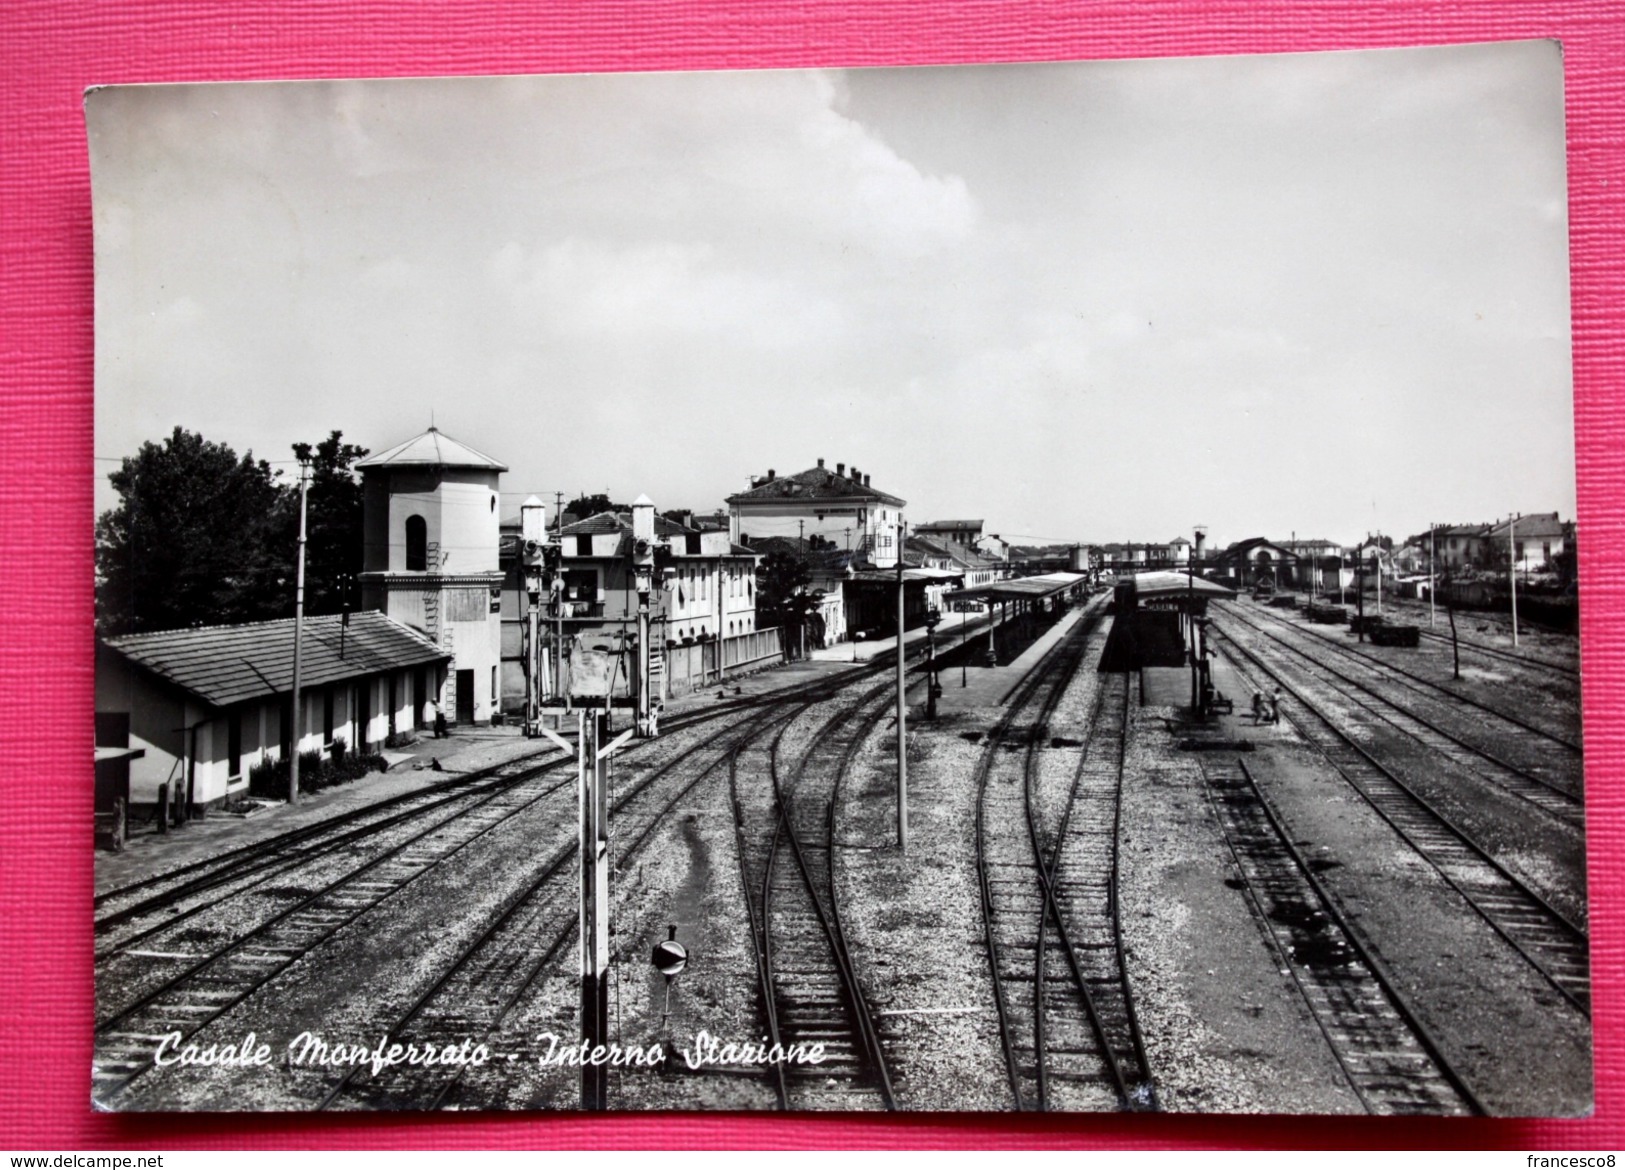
[192, 541]
[583, 506]
[782, 598]
[333, 523]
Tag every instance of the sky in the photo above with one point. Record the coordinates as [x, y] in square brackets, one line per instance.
[1312, 294]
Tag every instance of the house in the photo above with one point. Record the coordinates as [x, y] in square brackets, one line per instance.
[1458, 546]
[207, 704]
[1534, 542]
[965, 532]
[702, 610]
[841, 507]
[942, 552]
[431, 559]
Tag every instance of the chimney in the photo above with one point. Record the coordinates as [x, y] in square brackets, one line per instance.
[820, 462]
[771, 475]
[866, 481]
[1201, 539]
[840, 469]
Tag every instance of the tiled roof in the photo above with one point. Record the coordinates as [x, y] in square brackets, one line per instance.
[601, 523]
[621, 522]
[1531, 527]
[231, 664]
[816, 483]
[431, 449]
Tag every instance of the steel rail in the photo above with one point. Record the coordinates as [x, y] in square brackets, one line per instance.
[1551, 798]
[525, 900]
[1568, 944]
[1351, 652]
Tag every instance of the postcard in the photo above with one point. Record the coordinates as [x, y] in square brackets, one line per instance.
[998, 588]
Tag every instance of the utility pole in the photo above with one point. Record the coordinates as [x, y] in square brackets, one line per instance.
[1359, 592]
[1190, 622]
[594, 851]
[902, 714]
[801, 559]
[298, 641]
[592, 776]
[532, 548]
[558, 598]
[1512, 572]
[643, 562]
[1376, 554]
[1433, 573]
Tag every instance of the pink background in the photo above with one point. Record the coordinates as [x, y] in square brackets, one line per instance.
[50, 50]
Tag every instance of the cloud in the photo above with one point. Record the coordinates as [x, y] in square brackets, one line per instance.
[645, 295]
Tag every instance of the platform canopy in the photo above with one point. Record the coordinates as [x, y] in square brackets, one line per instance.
[1165, 585]
[1044, 585]
[912, 576]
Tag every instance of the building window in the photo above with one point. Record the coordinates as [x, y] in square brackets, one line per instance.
[691, 543]
[234, 743]
[584, 546]
[327, 715]
[417, 544]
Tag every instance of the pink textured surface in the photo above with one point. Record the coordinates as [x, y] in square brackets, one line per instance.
[52, 49]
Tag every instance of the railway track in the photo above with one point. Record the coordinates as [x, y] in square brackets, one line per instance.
[477, 992]
[1390, 1059]
[1549, 940]
[1417, 612]
[352, 853]
[491, 977]
[810, 990]
[188, 1001]
[1417, 684]
[1535, 785]
[1081, 876]
[1059, 1020]
[171, 892]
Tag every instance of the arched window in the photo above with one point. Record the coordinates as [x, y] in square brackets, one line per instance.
[417, 544]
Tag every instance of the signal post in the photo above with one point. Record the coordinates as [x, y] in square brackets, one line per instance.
[645, 718]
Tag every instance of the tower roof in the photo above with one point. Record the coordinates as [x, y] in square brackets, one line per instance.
[431, 449]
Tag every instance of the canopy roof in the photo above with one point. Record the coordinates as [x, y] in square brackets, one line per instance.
[1043, 585]
[1150, 586]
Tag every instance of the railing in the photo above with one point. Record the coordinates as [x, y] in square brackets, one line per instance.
[690, 667]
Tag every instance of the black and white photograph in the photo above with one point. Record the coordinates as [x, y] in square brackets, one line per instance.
[995, 588]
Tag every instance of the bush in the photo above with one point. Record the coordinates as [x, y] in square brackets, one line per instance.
[269, 778]
[400, 739]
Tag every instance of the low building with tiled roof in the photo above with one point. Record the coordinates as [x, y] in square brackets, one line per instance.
[209, 703]
[842, 506]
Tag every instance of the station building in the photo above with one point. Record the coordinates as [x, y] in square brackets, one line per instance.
[842, 507]
[431, 560]
[702, 610]
[199, 708]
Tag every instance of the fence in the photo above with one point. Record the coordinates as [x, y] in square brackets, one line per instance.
[690, 667]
